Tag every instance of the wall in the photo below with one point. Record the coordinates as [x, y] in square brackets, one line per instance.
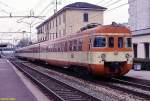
[75, 19]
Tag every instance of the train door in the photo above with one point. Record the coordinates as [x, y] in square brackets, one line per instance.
[72, 56]
[89, 54]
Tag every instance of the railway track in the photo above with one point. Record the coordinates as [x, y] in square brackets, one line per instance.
[54, 88]
[139, 89]
[129, 87]
[142, 85]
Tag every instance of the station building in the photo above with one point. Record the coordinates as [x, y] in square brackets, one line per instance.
[69, 20]
[139, 22]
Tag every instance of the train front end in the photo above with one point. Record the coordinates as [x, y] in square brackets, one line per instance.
[111, 52]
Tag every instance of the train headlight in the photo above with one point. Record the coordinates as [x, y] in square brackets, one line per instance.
[103, 56]
[127, 55]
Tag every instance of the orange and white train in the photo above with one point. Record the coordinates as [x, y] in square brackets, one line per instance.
[102, 50]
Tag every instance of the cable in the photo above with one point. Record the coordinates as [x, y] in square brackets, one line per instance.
[4, 4]
[46, 9]
[117, 7]
[113, 3]
[38, 3]
[120, 6]
[100, 2]
[112, 9]
[52, 7]
[106, 3]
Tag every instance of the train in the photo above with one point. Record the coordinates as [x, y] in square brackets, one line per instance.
[101, 50]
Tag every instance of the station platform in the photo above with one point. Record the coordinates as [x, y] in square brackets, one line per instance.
[12, 87]
[145, 75]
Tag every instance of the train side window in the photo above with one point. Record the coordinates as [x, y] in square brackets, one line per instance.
[58, 47]
[70, 45]
[111, 42]
[53, 48]
[120, 42]
[99, 42]
[62, 46]
[75, 45]
[80, 42]
[128, 42]
[65, 47]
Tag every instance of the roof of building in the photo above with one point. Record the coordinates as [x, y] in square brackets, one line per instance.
[76, 5]
[84, 5]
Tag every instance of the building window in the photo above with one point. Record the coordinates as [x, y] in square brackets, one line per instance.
[85, 17]
[47, 28]
[49, 25]
[64, 32]
[60, 20]
[64, 18]
[59, 33]
[53, 24]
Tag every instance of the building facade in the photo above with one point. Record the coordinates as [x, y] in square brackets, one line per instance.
[139, 21]
[69, 20]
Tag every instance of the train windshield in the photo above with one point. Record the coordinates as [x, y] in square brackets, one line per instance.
[99, 42]
[128, 42]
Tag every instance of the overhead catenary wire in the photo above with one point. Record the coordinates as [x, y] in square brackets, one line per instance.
[100, 2]
[107, 2]
[112, 8]
[49, 5]
[120, 6]
[36, 5]
[4, 4]
[113, 3]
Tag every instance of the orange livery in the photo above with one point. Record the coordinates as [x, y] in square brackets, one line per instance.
[104, 50]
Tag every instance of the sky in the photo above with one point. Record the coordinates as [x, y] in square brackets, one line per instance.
[46, 8]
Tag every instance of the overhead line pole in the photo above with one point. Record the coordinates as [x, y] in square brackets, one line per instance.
[56, 19]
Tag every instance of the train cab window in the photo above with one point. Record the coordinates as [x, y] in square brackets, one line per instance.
[120, 42]
[99, 42]
[111, 42]
[128, 42]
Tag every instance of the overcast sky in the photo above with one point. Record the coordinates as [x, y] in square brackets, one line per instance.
[23, 7]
